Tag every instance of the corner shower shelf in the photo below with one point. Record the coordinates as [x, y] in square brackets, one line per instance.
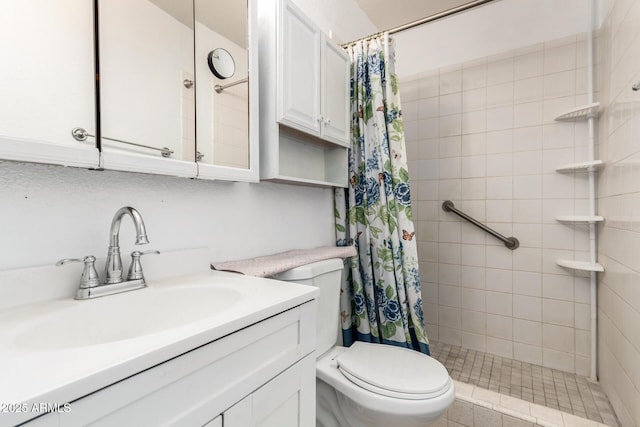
[580, 265]
[573, 167]
[579, 218]
[580, 113]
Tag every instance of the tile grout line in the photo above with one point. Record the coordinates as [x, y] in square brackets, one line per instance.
[531, 384]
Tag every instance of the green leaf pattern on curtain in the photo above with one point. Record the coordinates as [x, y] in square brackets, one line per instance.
[380, 299]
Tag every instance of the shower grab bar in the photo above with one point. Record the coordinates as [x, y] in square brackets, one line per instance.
[220, 88]
[80, 134]
[510, 242]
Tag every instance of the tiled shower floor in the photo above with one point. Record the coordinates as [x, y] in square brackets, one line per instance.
[536, 384]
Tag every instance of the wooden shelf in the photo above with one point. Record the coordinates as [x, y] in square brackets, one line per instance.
[579, 218]
[573, 167]
[580, 265]
[580, 113]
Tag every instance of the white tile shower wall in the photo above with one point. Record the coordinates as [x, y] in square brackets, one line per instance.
[483, 135]
[619, 203]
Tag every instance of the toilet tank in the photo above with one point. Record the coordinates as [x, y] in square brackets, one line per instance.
[327, 276]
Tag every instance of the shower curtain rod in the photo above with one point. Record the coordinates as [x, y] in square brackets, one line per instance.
[425, 20]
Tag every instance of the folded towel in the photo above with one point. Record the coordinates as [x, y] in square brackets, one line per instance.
[267, 266]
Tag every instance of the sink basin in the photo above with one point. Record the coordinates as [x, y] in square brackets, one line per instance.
[124, 316]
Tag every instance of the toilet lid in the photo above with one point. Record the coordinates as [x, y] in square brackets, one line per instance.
[393, 371]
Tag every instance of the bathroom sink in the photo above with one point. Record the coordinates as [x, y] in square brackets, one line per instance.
[125, 316]
[61, 349]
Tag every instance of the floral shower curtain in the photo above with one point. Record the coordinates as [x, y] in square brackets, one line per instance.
[380, 299]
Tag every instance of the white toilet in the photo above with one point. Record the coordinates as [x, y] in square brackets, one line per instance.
[368, 385]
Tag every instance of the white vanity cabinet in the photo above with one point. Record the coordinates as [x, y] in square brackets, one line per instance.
[304, 99]
[288, 400]
[47, 80]
[262, 375]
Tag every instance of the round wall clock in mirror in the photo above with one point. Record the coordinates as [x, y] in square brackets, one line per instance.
[221, 63]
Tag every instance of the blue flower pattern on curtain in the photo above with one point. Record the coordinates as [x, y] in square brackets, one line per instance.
[380, 299]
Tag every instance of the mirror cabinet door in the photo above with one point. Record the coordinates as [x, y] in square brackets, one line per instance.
[47, 81]
[149, 82]
[226, 98]
[147, 88]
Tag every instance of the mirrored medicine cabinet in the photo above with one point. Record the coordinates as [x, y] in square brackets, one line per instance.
[161, 108]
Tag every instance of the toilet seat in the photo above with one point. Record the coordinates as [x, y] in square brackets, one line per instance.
[395, 372]
[370, 407]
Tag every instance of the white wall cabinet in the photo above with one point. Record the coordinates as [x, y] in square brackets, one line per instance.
[299, 50]
[147, 87]
[304, 99]
[227, 121]
[263, 375]
[143, 97]
[313, 81]
[47, 81]
[335, 93]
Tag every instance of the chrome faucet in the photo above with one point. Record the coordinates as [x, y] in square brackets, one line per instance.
[90, 285]
[113, 268]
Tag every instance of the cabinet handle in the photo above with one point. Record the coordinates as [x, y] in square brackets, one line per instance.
[319, 119]
[327, 121]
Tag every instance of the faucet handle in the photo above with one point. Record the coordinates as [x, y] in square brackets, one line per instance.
[135, 269]
[89, 278]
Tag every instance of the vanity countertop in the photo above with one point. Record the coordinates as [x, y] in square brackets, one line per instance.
[52, 369]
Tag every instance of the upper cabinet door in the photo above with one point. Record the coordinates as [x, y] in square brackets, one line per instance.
[47, 81]
[226, 89]
[147, 87]
[335, 93]
[313, 81]
[299, 71]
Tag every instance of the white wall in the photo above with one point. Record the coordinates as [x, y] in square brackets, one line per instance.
[50, 212]
[488, 30]
[343, 20]
[619, 203]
